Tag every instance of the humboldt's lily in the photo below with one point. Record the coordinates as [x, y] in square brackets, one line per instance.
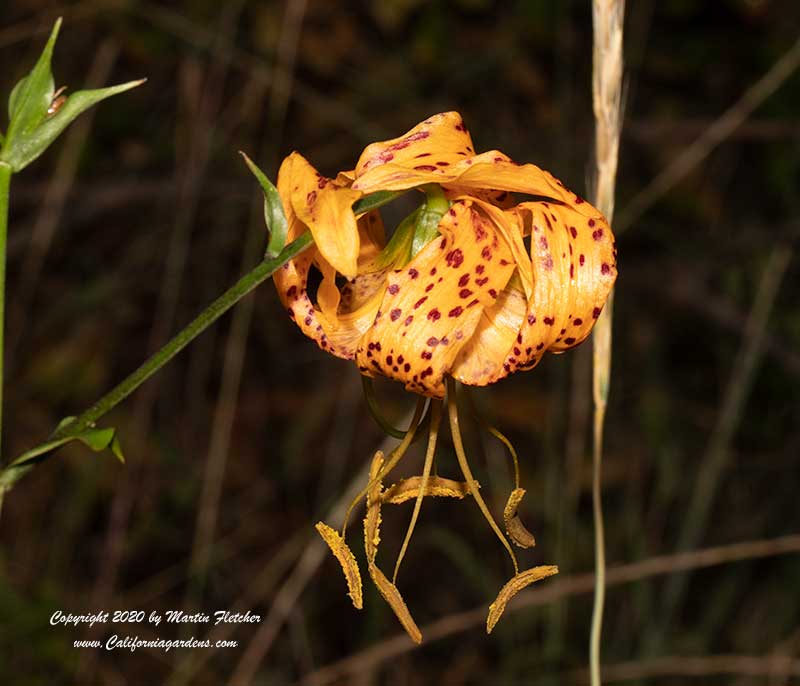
[499, 264]
[474, 302]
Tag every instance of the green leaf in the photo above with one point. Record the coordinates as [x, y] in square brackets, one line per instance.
[96, 439]
[31, 97]
[374, 200]
[274, 214]
[26, 147]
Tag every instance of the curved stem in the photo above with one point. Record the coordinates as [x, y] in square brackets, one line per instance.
[452, 410]
[374, 410]
[497, 434]
[436, 420]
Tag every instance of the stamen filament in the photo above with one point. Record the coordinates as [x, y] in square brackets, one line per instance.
[394, 457]
[452, 409]
[436, 419]
[498, 435]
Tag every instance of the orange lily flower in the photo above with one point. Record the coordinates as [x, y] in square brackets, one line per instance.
[454, 308]
[499, 265]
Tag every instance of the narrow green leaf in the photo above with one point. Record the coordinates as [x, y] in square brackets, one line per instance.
[31, 97]
[26, 147]
[274, 214]
[96, 439]
[374, 200]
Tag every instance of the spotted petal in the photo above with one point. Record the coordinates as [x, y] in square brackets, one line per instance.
[326, 209]
[431, 308]
[425, 154]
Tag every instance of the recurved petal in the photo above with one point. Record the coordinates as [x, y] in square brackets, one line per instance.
[425, 154]
[431, 307]
[326, 209]
[495, 170]
[574, 268]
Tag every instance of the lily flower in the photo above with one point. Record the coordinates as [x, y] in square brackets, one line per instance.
[500, 264]
[475, 302]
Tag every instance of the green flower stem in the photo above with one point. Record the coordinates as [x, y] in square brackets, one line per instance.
[5, 185]
[214, 311]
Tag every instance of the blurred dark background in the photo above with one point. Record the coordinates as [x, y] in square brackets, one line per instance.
[143, 212]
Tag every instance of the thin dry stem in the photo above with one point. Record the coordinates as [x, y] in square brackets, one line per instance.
[607, 18]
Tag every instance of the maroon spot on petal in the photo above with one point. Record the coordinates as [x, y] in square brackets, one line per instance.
[322, 182]
[569, 341]
[464, 280]
[459, 335]
[311, 198]
[504, 263]
[531, 319]
[547, 263]
[517, 352]
[434, 315]
[578, 321]
[442, 243]
[473, 302]
[407, 367]
[563, 331]
[464, 293]
[481, 282]
[408, 320]
[425, 167]
[400, 359]
[581, 260]
[528, 351]
[454, 258]
[442, 164]
[540, 346]
[595, 313]
[486, 254]
[479, 269]
[433, 271]
[426, 372]
[308, 321]
[395, 314]
[605, 268]
[507, 367]
[549, 321]
[426, 355]
[574, 231]
[493, 292]
[422, 154]
[571, 271]
[591, 223]
[519, 339]
[597, 234]
[413, 273]
[455, 312]
[389, 360]
[451, 212]
[292, 292]
[429, 287]
[393, 289]
[543, 244]
[578, 200]
[371, 346]
[420, 301]
[433, 341]
[395, 368]
[547, 221]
